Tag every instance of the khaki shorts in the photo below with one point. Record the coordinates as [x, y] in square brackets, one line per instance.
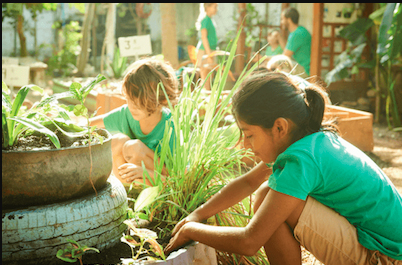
[332, 239]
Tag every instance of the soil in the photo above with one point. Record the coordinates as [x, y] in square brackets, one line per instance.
[42, 142]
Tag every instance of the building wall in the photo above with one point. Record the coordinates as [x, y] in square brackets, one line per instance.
[186, 13]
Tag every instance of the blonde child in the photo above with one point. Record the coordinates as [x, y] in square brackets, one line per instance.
[208, 42]
[322, 192]
[140, 124]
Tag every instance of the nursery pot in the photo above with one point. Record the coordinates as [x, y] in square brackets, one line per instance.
[39, 177]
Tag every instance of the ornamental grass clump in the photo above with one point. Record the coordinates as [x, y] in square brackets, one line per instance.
[204, 157]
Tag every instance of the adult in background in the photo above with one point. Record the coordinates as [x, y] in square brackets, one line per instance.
[298, 45]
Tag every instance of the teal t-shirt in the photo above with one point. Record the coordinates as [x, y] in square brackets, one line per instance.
[299, 42]
[120, 120]
[208, 24]
[340, 176]
[270, 52]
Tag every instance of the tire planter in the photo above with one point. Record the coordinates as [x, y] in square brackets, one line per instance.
[35, 234]
[31, 178]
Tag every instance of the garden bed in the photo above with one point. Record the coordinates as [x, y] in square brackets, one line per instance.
[355, 126]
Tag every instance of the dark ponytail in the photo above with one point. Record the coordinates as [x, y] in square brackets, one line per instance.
[262, 98]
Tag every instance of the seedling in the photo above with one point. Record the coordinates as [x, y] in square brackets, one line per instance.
[73, 252]
[145, 236]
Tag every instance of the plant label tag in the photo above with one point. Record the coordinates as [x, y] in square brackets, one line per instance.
[15, 75]
[135, 45]
[9, 60]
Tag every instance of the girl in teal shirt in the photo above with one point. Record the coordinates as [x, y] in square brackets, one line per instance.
[322, 192]
[139, 126]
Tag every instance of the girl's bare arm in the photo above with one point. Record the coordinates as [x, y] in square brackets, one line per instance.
[231, 194]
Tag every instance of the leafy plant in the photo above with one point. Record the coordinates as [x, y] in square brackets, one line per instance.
[16, 121]
[73, 252]
[145, 236]
[63, 61]
[119, 64]
[387, 52]
[202, 160]
[45, 116]
[252, 19]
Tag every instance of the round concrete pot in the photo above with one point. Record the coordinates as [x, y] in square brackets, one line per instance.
[31, 178]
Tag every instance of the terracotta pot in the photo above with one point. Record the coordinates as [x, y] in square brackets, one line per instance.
[39, 177]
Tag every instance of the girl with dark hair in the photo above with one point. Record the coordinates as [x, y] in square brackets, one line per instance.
[322, 192]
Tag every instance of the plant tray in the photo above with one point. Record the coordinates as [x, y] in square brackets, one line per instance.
[355, 126]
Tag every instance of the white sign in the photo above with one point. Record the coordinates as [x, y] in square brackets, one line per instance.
[135, 45]
[15, 75]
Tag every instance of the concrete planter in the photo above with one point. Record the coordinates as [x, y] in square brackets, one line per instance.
[355, 126]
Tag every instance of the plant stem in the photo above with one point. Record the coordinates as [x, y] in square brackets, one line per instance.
[90, 157]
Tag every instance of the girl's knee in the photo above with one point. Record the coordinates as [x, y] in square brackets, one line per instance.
[132, 151]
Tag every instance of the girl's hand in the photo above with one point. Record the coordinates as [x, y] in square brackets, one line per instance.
[179, 239]
[131, 172]
[193, 217]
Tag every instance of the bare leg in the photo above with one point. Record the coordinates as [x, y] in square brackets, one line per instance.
[282, 247]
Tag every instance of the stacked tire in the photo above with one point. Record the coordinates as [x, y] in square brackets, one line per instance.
[33, 235]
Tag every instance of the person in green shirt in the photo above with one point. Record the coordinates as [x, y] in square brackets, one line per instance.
[274, 47]
[322, 192]
[208, 42]
[298, 44]
[138, 127]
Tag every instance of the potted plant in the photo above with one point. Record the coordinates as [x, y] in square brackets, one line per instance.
[60, 189]
[54, 171]
[201, 163]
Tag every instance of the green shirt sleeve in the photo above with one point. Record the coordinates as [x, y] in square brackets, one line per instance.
[120, 120]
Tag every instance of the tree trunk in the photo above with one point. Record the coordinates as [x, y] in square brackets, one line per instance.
[108, 43]
[86, 37]
[169, 38]
[20, 31]
[241, 44]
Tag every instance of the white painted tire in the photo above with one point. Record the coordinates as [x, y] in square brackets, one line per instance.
[35, 234]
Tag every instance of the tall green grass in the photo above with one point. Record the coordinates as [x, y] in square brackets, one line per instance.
[202, 160]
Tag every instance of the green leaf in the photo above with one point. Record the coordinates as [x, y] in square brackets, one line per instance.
[6, 102]
[145, 198]
[356, 32]
[384, 27]
[377, 15]
[4, 87]
[80, 110]
[39, 128]
[75, 90]
[87, 89]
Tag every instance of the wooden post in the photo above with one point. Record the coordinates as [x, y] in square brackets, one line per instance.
[169, 38]
[316, 39]
[241, 44]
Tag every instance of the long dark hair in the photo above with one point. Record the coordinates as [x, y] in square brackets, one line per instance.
[264, 97]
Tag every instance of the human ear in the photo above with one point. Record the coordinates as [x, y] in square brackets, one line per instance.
[281, 127]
